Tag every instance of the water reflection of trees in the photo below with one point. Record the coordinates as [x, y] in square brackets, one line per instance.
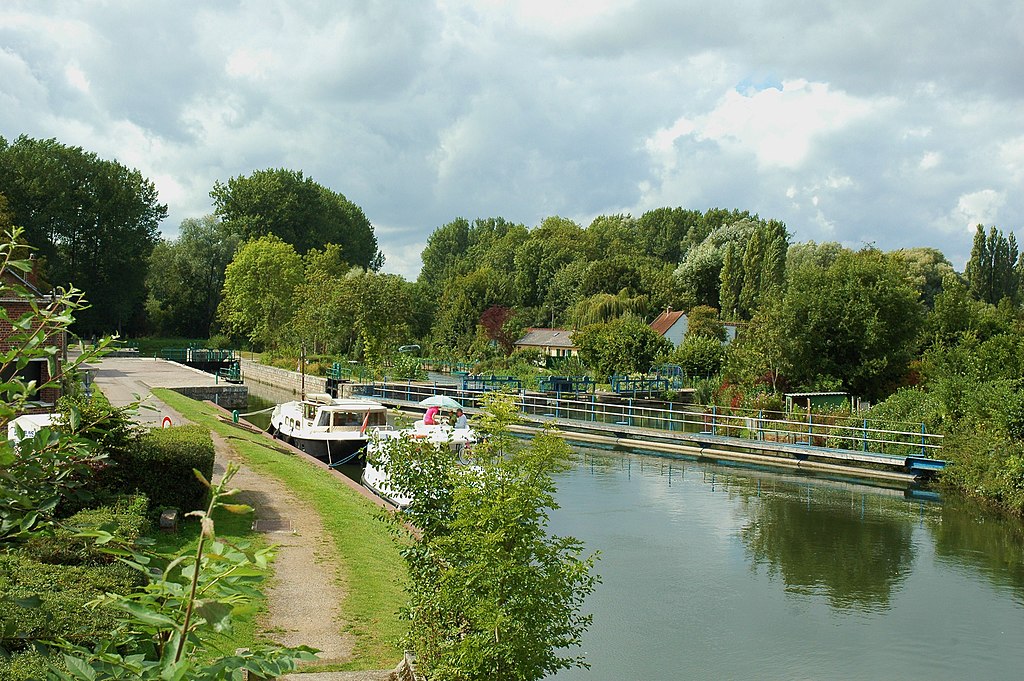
[821, 542]
[992, 544]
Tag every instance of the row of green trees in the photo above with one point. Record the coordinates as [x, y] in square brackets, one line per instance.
[94, 223]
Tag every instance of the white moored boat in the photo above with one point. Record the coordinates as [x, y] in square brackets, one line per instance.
[331, 429]
[375, 476]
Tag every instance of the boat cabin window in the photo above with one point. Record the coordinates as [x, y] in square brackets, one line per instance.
[378, 418]
[325, 419]
[308, 411]
[348, 418]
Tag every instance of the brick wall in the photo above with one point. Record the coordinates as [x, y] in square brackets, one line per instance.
[15, 309]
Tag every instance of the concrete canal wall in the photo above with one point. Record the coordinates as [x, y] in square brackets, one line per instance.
[226, 395]
[282, 379]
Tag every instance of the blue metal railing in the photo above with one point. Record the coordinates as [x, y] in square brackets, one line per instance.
[849, 433]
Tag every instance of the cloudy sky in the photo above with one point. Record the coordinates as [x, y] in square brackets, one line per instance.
[896, 123]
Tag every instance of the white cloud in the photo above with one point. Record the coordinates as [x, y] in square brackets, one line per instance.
[1011, 156]
[979, 208]
[930, 160]
[76, 77]
[251, 64]
[840, 122]
[779, 127]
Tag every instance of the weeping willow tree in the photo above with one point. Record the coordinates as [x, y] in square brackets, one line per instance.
[604, 307]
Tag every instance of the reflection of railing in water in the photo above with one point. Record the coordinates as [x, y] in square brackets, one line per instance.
[847, 433]
[756, 483]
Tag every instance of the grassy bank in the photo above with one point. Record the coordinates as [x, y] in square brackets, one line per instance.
[367, 563]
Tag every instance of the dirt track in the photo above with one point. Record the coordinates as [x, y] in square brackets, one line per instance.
[304, 597]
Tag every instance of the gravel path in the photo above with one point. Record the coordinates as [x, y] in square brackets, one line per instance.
[304, 597]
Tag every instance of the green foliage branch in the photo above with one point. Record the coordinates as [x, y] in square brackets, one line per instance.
[492, 594]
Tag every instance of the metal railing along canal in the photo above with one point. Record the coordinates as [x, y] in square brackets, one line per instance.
[835, 431]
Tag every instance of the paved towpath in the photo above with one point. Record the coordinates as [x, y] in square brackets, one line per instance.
[127, 379]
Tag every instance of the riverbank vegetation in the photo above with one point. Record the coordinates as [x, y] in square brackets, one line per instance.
[902, 330]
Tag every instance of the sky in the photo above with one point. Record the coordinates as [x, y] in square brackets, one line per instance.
[896, 124]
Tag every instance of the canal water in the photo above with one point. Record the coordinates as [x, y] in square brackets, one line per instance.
[715, 572]
[719, 572]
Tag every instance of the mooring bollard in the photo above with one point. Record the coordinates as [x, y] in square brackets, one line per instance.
[234, 416]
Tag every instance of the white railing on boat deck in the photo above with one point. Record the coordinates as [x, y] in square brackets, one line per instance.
[835, 431]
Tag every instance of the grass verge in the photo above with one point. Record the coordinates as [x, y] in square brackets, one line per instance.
[367, 563]
[233, 528]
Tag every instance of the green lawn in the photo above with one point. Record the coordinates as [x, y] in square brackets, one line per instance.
[232, 528]
[368, 563]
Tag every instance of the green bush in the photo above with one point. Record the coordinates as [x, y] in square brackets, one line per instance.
[221, 341]
[699, 356]
[987, 466]
[159, 465]
[27, 665]
[63, 592]
[126, 519]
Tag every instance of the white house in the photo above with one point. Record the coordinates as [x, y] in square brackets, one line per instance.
[673, 326]
[550, 342]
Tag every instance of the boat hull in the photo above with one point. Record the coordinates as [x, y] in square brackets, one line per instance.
[335, 452]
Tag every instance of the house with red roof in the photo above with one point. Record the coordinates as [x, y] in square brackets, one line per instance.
[673, 324]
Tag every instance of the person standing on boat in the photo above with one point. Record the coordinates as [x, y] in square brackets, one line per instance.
[461, 422]
[430, 417]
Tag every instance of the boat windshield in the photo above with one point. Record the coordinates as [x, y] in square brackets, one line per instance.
[350, 419]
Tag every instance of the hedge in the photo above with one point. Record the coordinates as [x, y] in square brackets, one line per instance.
[159, 465]
[127, 519]
[28, 664]
[63, 591]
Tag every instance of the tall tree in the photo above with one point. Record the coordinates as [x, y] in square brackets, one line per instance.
[297, 210]
[186, 276]
[993, 271]
[855, 321]
[928, 270]
[492, 594]
[383, 307]
[732, 282]
[320, 321]
[663, 232]
[550, 247]
[464, 299]
[93, 221]
[612, 236]
[259, 284]
[700, 271]
[445, 248]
